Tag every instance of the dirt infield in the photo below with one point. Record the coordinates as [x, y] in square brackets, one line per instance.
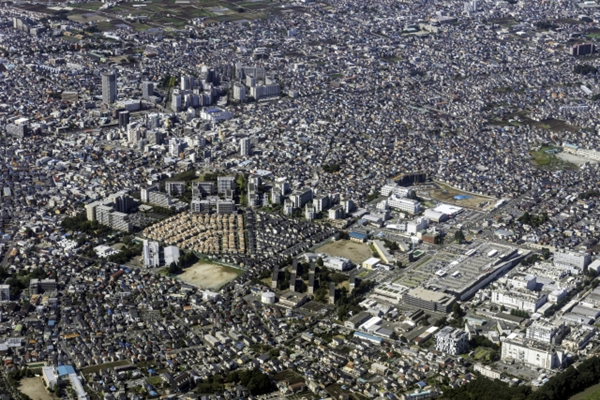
[356, 252]
[34, 388]
[210, 276]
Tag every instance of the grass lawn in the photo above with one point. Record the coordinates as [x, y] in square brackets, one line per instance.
[155, 380]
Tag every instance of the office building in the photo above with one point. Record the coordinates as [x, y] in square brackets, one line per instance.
[265, 91]
[519, 299]
[321, 203]
[239, 92]
[402, 204]
[309, 212]
[357, 320]
[4, 292]
[331, 293]
[123, 120]
[160, 199]
[225, 183]
[452, 341]
[176, 147]
[302, 196]
[175, 188]
[582, 49]
[109, 87]
[151, 254]
[225, 206]
[337, 263]
[336, 212]
[199, 206]
[147, 90]
[275, 277]
[37, 286]
[145, 192]
[546, 332]
[171, 255]
[202, 189]
[576, 261]
[245, 147]
[532, 354]
[429, 300]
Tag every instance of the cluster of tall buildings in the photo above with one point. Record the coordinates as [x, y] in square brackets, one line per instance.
[112, 211]
[196, 92]
[204, 198]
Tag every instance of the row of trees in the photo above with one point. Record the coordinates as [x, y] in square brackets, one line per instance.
[560, 387]
[533, 220]
[254, 380]
[80, 223]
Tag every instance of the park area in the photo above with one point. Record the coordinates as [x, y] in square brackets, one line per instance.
[450, 195]
[207, 275]
[356, 252]
[34, 388]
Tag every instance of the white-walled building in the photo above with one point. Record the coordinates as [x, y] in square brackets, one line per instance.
[519, 299]
[337, 263]
[532, 354]
[576, 261]
[407, 205]
[451, 341]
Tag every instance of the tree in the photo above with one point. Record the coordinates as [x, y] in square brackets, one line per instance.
[459, 236]
[457, 312]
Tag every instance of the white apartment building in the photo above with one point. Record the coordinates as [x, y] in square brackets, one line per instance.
[151, 254]
[451, 341]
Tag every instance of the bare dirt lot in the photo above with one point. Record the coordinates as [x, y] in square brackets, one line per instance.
[210, 276]
[34, 388]
[446, 194]
[356, 252]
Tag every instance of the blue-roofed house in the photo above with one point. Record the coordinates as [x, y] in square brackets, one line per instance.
[357, 237]
[65, 370]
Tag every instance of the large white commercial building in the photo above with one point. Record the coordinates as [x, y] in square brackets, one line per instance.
[572, 260]
[519, 299]
[408, 205]
[396, 190]
[532, 354]
[451, 341]
[215, 114]
[337, 263]
[545, 332]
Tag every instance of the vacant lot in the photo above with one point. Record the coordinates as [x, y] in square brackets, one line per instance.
[356, 252]
[34, 388]
[446, 194]
[207, 275]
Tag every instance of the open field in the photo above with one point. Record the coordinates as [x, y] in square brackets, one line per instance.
[446, 193]
[207, 275]
[575, 159]
[547, 158]
[356, 252]
[34, 388]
